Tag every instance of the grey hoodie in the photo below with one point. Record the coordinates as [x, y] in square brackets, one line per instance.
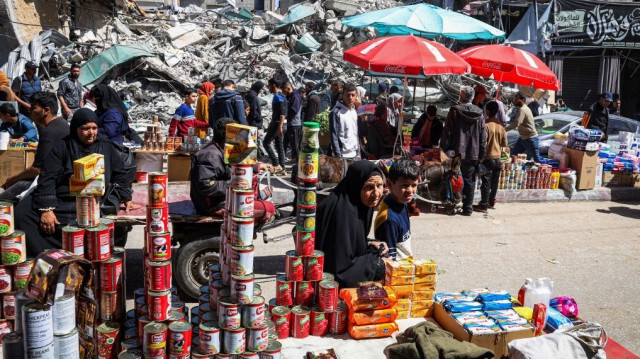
[465, 132]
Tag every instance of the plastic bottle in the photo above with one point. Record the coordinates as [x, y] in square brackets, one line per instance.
[539, 292]
[555, 179]
[522, 292]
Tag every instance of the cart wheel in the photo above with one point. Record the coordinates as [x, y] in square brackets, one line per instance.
[192, 265]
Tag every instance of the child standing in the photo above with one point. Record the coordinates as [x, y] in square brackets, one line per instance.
[185, 117]
[392, 224]
[496, 145]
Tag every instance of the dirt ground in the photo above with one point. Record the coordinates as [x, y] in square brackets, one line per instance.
[589, 249]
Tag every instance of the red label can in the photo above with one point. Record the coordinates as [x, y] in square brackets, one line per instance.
[106, 339]
[159, 304]
[157, 219]
[242, 203]
[109, 306]
[304, 293]
[284, 291]
[281, 317]
[111, 224]
[253, 314]
[294, 268]
[328, 296]
[300, 325]
[338, 320]
[209, 339]
[273, 351]
[319, 322]
[98, 243]
[111, 274]
[87, 211]
[242, 288]
[154, 342]
[21, 273]
[180, 334]
[228, 314]
[241, 176]
[73, 240]
[272, 304]
[142, 321]
[159, 275]
[158, 246]
[305, 241]
[314, 265]
[242, 260]
[158, 189]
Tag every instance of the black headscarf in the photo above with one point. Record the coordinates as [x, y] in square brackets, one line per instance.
[257, 86]
[343, 224]
[107, 98]
[76, 147]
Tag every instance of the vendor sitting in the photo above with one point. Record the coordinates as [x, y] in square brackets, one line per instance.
[20, 127]
[42, 214]
[343, 222]
[209, 176]
[428, 129]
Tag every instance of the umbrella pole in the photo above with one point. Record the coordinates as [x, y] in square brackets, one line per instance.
[499, 84]
[400, 120]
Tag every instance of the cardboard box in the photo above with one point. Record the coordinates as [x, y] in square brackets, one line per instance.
[584, 163]
[178, 167]
[242, 135]
[607, 176]
[93, 187]
[14, 161]
[636, 180]
[496, 342]
[88, 167]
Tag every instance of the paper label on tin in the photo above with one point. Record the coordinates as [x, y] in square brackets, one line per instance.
[59, 290]
[64, 315]
[66, 347]
[38, 328]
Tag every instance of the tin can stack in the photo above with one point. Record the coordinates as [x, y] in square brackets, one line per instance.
[522, 175]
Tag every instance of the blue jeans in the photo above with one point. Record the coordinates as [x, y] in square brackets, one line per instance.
[528, 146]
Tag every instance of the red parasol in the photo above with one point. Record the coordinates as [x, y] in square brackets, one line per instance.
[509, 64]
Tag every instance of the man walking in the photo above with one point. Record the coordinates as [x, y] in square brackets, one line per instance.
[227, 103]
[465, 135]
[528, 141]
[496, 143]
[294, 120]
[277, 126]
[336, 90]
[25, 86]
[314, 103]
[70, 92]
[343, 125]
[599, 114]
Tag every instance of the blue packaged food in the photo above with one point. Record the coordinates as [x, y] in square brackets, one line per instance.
[513, 327]
[481, 329]
[494, 296]
[458, 306]
[519, 320]
[441, 297]
[497, 305]
[473, 293]
[555, 320]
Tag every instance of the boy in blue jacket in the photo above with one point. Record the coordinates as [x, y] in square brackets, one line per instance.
[20, 127]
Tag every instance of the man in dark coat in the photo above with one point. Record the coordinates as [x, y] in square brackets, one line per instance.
[599, 114]
[227, 103]
[314, 103]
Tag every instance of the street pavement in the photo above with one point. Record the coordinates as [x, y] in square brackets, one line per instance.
[589, 249]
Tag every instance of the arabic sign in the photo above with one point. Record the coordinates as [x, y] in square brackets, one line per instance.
[597, 23]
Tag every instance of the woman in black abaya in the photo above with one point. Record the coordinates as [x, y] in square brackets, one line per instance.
[42, 214]
[343, 223]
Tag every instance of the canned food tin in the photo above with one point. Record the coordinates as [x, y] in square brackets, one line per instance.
[64, 313]
[249, 355]
[175, 316]
[139, 303]
[110, 306]
[281, 317]
[242, 288]
[45, 352]
[209, 335]
[306, 217]
[13, 248]
[294, 268]
[284, 290]
[73, 240]
[159, 304]
[158, 189]
[6, 218]
[154, 343]
[106, 339]
[139, 293]
[306, 195]
[111, 274]
[228, 314]
[203, 298]
[143, 320]
[319, 322]
[203, 309]
[158, 246]
[226, 275]
[21, 272]
[157, 219]
[159, 275]
[328, 276]
[98, 243]
[234, 341]
[338, 320]
[87, 211]
[132, 333]
[131, 343]
[305, 241]
[141, 176]
[20, 300]
[9, 305]
[314, 265]
[180, 338]
[5, 279]
[300, 325]
[12, 346]
[328, 296]
[310, 140]
[214, 268]
[242, 260]
[225, 356]
[304, 293]
[253, 315]
[242, 202]
[67, 346]
[241, 231]
[111, 224]
[308, 165]
[241, 176]
[272, 304]
[258, 338]
[37, 324]
[273, 351]
[209, 317]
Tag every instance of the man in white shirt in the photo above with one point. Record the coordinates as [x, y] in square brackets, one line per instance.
[343, 125]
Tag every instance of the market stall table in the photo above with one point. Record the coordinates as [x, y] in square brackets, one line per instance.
[14, 161]
[178, 163]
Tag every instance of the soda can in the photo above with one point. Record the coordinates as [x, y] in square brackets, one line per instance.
[179, 338]
[319, 322]
[110, 306]
[242, 288]
[241, 176]
[158, 246]
[284, 291]
[241, 231]
[106, 339]
[37, 324]
[242, 203]
[294, 268]
[158, 185]
[338, 320]
[98, 243]
[258, 338]
[228, 314]
[314, 265]
[304, 293]
[305, 241]
[159, 275]
[64, 313]
[209, 335]
[154, 343]
[234, 341]
[273, 351]
[157, 219]
[87, 211]
[21, 273]
[281, 317]
[300, 325]
[328, 296]
[111, 274]
[159, 304]
[253, 314]
[242, 260]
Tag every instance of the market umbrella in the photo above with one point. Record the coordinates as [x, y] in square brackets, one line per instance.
[425, 20]
[510, 64]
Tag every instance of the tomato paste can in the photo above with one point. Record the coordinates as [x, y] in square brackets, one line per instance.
[111, 274]
[242, 202]
[328, 296]
[142, 321]
[308, 165]
[9, 305]
[242, 260]
[159, 304]
[5, 279]
[111, 224]
[106, 339]
[242, 288]
[305, 241]
[328, 276]
[87, 211]
[64, 313]
[131, 343]
[159, 275]
[306, 217]
[226, 274]
[13, 248]
[158, 246]
[241, 231]
[158, 189]
[6, 218]
[234, 341]
[98, 243]
[203, 309]
[139, 293]
[294, 268]
[272, 304]
[273, 351]
[228, 314]
[338, 320]
[110, 306]
[258, 338]
[249, 355]
[37, 325]
[319, 322]
[73, 240]
[154, 342]
[241, 176]
[179, 338]
[209, 338]
[284, 290]
[203, 298]
[21, 273]
[175, 316]
[214, 287]
[281, 317]
[142, 177]
[304, 293]
[67, 346]
[300, 325]
[314, 265]
[157, 219]
[253, 314]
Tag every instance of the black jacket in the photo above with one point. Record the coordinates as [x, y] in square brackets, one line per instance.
[209, 174]
[226, 103]
[255, 116]
[464, 132]
[313, 107]
[599, 118]
[436, 129]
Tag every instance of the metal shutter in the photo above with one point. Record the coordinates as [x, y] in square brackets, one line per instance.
[580, 81]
